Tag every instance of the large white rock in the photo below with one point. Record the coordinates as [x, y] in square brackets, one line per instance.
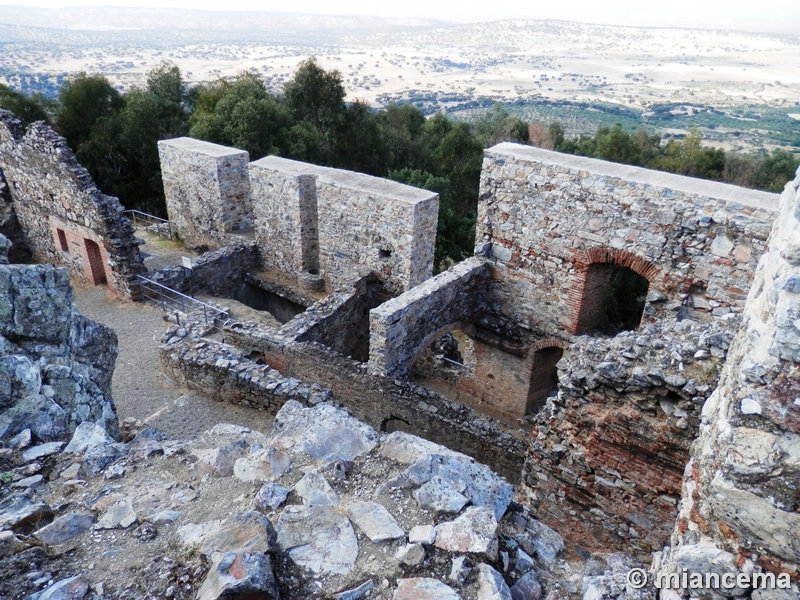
[423, 588]
[375, 521]
[318, 538]
[474, 531]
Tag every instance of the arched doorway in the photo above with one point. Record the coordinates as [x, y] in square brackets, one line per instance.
[95, 268]
[545, 354]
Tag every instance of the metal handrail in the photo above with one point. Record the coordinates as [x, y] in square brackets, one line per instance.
[166, 295]
[149, 219]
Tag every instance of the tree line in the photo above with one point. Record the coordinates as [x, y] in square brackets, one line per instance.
[114, 136]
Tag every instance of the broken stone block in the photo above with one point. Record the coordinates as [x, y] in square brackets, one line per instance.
[266, 464]
[527, 587]
[74, 588]
[356, 593]
[271, 495]
[491, 585]
[238, 576]
[411, 554]
[322, 432]
[318, 538]
[375, 521]
[474, 531]
[246, 532]
[313, 488]
[87, 435]
[547, 544]
[10, 544]
[441, 496]
[64, 528]
[423, 588]
[20, 509]
[42, 450]
[459, 570]
[121, 514]
[422, 534]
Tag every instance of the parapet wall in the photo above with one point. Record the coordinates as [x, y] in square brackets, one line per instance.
[207, 190]
[546, 217]
[65, 219]
[401, 327]
[339, 223]
[740, 506]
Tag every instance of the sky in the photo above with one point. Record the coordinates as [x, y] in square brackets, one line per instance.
[686, 13]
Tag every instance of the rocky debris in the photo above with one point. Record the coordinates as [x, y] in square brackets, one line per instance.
[246, 532]
[547, 545]
[356, 593]
[423, 588]
[10, 544]
[422, 534]
[265, 464]
[441, 495]
[324, 433]
[22, 508]
[87, 435]
[475, 531]
[318, 538]
[313, 488]
[74, 588]
[606, 576]
[527, 587]
[42, 450]
[240, 575]
[491, 585]
[270, 496]
[64, 528]
[459, 570]
[375, 521]
[120, 514]
[411, 554]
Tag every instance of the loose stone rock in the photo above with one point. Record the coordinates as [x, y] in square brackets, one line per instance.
[423, 588]
[74, 588]
[247, 532]
[121, 514]
[356, 593]
[64, 528]
[441, 495]
[474, 531]
[422, 534]
[491, 585]
[87, 435]
[238, 576]
[271, 495]
[527, 587]
[266, 464]
[10, 544]
[42, 450]
[411, 554]
[313, 488]
[318, 538]
[375, 521]
[165, 517]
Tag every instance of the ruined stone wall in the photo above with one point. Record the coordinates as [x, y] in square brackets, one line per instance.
[340, 223]
[381, 400]
[219, 272]
[740, 507]
[341, 321]
[546, 217]
[65, 219]
[607, 453]
[401, 327]
[207, 188]
[9, 226]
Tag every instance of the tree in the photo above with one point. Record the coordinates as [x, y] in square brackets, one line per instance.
[496, 126]
[83, 100]
[27, 109]
[772, 173]
[242, 114]
[316, 96]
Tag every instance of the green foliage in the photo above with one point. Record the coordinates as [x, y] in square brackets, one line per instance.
[27, 108]
[83, 101]
[242, 114]
[496, 126]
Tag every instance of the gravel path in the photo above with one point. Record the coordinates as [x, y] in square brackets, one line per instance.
[140, 389]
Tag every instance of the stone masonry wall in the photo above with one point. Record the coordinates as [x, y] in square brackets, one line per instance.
[207, 189]
[379, 400]
[545, 217]
[362, 222]
[401, 327]
[607, 454]
[65, 219]
[740, 508]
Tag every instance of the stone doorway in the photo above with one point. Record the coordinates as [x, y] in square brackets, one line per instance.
[95, 269]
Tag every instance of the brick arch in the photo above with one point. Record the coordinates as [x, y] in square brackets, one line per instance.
[583, 293]
[548, 342]
[467, 328]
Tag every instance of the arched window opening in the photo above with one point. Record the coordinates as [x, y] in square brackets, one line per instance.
[395, 424]
[544, 378]
[613, 299]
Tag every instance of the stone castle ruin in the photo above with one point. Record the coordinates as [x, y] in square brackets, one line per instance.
[672, 429]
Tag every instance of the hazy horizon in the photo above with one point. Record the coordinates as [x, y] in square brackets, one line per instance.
[779, 16]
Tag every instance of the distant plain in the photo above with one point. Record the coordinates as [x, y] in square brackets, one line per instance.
[741, 89]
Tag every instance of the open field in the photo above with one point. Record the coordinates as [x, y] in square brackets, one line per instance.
[741, 89]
